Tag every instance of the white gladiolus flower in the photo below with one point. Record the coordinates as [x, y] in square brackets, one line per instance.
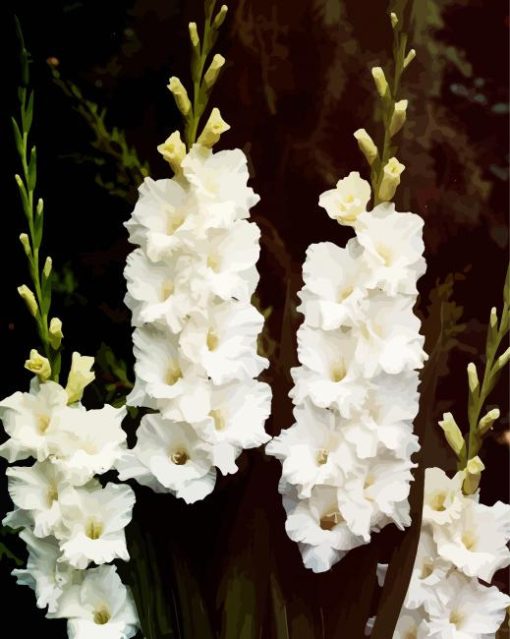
[393, 246]
[411, 625]
[476, 542]
[348, 200]
[93, 523]
[443, 500]
[176, 456]
[429, 570]
[461, 608]
[224, 341]
[47, 576]
[100, 607]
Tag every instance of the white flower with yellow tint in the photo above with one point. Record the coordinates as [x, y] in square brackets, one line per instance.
[412, 624]
[443, 499]
[348, 200]
[100, 607]
[93, 523]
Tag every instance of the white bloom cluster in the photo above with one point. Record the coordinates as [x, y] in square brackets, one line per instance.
[68, 519]
[346, 462]
[189, 286]
[461, 543]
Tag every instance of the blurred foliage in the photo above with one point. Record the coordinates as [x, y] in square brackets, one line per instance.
[111, 376]
[5, 552]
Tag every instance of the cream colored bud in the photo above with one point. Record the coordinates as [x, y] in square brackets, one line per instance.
[173, 150]
[212, 73]
[25, 243]
[472, 475]
[38, 365]
[394, 19]
[409, 58]
[493, 317]
[399, 116]
[452, 433]
[391, 179]
[40, 206]
[487, 422]
[503, 360]
[80, 376]
[180, 94]
[220, 16]
[55, 333]
[19, 181]
[48, 264]
[366, 145]
[381, 83]
[472, 377]
[213, 129]
[29, 298]
[193, 34]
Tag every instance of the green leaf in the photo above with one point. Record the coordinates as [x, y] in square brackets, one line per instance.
[18, 139]
[29, 113]
[32, 169]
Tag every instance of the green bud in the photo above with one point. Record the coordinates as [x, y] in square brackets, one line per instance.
[472, 377]
[25, 243]
[409, 58]
[381, 84]
[180, 94]
[453, 434]
[503, 360]
[48, 264]
[55, 333]
[394, 20]
[366, 146]
[487, 422]
[472, 475]
[399, 116]
[494, 317]
[193, 35]
[220, 17]
[40, 206]
[212, 73]
[29, 298]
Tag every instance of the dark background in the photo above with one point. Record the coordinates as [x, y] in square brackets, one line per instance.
[296, 85]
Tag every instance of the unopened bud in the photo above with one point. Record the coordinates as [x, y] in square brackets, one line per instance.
[391, 179]
[19, 181]
[25, 243]
[486, 423]
[38, 365]
[173, 150]
[399, 116]
[40, 206]
[180, 94]
[381, 83]
[493, 317]
[212, 73]
[503, 360]
[29, 298]
[193, 34]
[452, 433]
[394, 19]
[472, 377]
[55, 333]
[48, 264]
[472, 475]
[80, 376]
[366, 145]
[409, 58]
[213, 129]
[220, 16]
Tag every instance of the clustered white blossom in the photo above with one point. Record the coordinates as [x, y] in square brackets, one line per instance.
[72, 525]
[346, 462]
[462, 545]
[189, 287]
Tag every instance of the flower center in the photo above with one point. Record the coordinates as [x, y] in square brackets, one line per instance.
[322, 456]
[219, 420]
[94, 529]
[213, 262]
[427, 569]
[456, 618]
[43, 421]
[411, 634]
[102, 615]
[338, 372]
[212, 340]
[179, 457]
[175, 220]
[166, 290]
[344, 293]
[330, 520]
[469, 539]
[173, 374]
[437, 502]
[52, 494]
[385, 254]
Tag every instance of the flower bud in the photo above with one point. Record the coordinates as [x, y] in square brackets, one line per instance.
[493, 320]
[220, 17]
[180, 94]
[38, 365]
[19, 181]
[29, 298]
[472, 475]
[399, 116]
[40, 207]
[55, 333]
[409, 58]
[25, 242]
[213, 129]
[487, 422]
[381, 83]
[80, 376]
[452, 433]
[193, 34]
[212, 73]
[391, 179]
[394, 19]
[503, 360]
[48, 264]
[366, 145]
[173, 150]
[472, 377]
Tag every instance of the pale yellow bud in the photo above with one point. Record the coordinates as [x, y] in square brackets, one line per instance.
[409, 58]
[472, 475]
[366, 145]
[212, 73]
[399, 116]
[391, 179]
[193, 34]
[472, 377]
[394, 19]
[180, 94]
[48, 264]
[493, 317]
[80, 376]
[29, 298]
[55, 333]
[40, 206]
[503, 360]
[452, 433]
[38, 365]
[487, 422]
[25, 242]
[381, 83]
[213, 129]
[220, 16]
[19, 181]
[173, 150]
